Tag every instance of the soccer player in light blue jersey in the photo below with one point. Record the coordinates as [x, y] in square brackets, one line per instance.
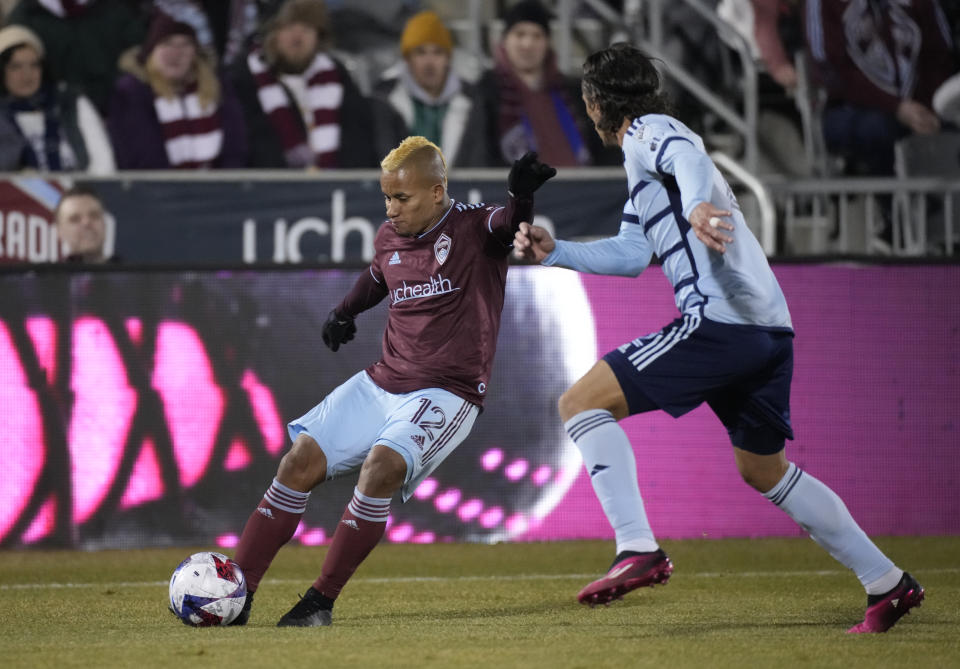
[732, 346]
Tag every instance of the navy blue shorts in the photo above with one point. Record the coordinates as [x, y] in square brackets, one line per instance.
[742, 372]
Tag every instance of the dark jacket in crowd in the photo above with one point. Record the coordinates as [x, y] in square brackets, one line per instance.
[83, 50]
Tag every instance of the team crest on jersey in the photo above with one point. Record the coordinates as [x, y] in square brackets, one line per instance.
[442, 248]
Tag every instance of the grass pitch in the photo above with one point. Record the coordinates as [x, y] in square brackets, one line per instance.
[730, 603]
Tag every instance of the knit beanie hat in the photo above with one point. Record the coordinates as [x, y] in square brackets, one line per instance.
[161, 27]
[425, 28]
[14, 35]
[527, 10]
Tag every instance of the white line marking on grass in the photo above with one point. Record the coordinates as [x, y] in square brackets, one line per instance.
[451, 579]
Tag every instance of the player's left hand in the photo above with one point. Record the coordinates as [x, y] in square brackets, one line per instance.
[337, 331]
[528, 174]
[708, 224]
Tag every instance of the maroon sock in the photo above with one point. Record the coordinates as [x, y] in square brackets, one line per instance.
[360, 529]
[268, 528]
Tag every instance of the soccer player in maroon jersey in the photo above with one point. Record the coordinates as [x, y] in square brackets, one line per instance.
[443, 266]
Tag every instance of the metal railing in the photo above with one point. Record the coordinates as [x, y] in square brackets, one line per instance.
[767, 233]
[868, 216]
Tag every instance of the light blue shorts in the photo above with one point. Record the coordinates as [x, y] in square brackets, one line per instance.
[424, 426]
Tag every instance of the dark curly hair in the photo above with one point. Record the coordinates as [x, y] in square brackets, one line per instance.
[622, 81]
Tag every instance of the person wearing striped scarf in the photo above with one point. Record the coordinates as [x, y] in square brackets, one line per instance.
[303, 109]
[45, 125]
[171, 110]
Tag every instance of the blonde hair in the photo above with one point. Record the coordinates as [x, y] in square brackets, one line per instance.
[419, 152]
[208, 86]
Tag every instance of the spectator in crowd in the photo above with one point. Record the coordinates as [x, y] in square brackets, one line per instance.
[83, 39]
[170, 109]
[880, 63]
[223, 28]
[301, 106]
[531, 105]
[773, 32]
[44, 126]
[424, 96]
[776, 53]
[81, 226]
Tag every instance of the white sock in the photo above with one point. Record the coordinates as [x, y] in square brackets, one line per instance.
[819, 511]
[286, 498]
[608, 457]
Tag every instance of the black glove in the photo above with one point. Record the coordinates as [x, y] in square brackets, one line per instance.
[527, 175]
[338, 330]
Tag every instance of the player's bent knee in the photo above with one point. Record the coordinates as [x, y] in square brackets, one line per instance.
[304, 466]
[383, 472]
[761, 472]
[570, 404]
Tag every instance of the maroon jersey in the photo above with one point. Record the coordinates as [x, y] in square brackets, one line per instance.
[445, 289]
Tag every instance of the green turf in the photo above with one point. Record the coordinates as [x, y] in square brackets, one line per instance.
[730, 603]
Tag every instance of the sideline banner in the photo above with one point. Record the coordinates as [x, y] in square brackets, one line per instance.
[149, 408]
[248, 220]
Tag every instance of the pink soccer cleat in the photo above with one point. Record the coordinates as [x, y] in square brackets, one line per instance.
[636, 570]
[883, 611]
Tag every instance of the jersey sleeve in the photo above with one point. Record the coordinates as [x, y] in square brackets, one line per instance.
[693, 170]
[657, 150]
[368, 290]
[366, 293]
[626, 254]
[503, 222]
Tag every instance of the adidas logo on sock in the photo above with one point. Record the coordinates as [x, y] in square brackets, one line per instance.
[395, 259]
[352, 524]
[597, 469]
[264, 511]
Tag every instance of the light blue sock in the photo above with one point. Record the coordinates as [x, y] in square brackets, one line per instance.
[608, 457]
[819, 511]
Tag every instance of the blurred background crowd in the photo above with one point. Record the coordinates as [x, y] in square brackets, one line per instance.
[103, 85]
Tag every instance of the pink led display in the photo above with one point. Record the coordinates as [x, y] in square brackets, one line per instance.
[22, 434]
[103, 407]
[192, 401]
[874, 407]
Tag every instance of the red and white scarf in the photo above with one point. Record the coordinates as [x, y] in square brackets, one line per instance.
[321, 142]
[192, 132]
[64, 8]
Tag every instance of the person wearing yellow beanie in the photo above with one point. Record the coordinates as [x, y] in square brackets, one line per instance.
[425, 28]
[424, 96]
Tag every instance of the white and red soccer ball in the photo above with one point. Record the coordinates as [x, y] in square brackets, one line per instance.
[207, 589]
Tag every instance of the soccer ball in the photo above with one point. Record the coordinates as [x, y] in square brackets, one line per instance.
[207, 589]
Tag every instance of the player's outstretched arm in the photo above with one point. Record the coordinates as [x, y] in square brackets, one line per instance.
[532, 243]
[708, 224]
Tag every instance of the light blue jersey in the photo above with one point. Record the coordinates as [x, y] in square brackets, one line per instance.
[668, 174]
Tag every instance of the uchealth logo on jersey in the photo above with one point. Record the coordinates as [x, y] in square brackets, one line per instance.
[441, 248]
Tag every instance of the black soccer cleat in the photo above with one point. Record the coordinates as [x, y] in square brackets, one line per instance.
[310, 611]
[244, 615]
